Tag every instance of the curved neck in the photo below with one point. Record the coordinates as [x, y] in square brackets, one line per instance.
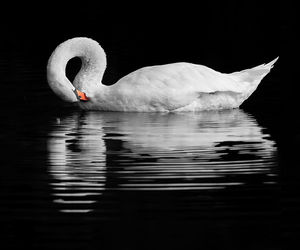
[90, 75]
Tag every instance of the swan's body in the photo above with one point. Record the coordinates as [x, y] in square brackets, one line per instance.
[164, 88]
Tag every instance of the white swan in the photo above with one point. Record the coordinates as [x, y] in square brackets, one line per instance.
[171, 87]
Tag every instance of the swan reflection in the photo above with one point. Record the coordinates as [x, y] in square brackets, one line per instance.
[93, 153]
[74, 144]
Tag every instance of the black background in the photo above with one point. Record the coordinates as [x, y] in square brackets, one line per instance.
[226, 36]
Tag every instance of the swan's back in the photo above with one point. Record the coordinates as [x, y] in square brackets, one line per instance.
[165, 88]
[184, 77]
[181, 87]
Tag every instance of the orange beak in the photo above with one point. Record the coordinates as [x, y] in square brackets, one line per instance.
[81, 96]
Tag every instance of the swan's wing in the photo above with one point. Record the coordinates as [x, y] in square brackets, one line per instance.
[173, 85]
[182, 77]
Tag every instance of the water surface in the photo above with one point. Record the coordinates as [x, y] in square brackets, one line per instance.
[92, 154]
[109, 180]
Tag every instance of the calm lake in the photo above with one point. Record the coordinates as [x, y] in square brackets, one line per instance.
[107, 180]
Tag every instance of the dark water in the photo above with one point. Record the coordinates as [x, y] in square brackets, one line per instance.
[96, 180]
[88, 180]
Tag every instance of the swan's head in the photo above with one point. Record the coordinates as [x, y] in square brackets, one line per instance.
[90, 75]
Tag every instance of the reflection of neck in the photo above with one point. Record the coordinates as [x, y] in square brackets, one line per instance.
[92, 69]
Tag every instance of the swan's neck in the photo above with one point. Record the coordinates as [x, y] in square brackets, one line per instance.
[90, 75]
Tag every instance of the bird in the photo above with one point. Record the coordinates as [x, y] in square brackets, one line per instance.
[173, 87]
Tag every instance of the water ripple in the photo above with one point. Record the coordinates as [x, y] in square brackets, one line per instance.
[93, 153]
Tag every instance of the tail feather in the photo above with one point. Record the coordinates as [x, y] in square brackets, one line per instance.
[271, 64]
[256, 74]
